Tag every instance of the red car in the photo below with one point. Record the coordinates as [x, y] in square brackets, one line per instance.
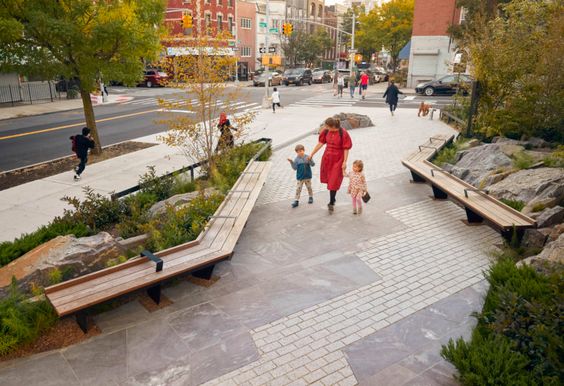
[154, 78]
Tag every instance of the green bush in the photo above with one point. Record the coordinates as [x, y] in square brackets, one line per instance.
[60, 226]
[97, 211]
[22, 321]
[515, 204]
[523, 160]
[447, 155]
[519, 336]
[556, 158]
[230, 164]
[160, 187]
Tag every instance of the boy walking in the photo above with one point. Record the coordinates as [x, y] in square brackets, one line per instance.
[81, 144]
[302, 165]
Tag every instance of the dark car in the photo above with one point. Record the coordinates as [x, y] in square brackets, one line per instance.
[274, 79]
[297, 76]
[154, 78]
[449, 84]
[321, 76]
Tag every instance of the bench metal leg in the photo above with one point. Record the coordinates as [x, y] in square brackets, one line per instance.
[204, 273]
[508, 236]
[82, 321]
[473, 217]
[416, 177]
[438, 193]
[154, 293]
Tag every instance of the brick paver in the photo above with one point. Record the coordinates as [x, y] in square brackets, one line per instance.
[436, 256]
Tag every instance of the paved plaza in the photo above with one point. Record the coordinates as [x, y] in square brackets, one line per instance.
[308, 298]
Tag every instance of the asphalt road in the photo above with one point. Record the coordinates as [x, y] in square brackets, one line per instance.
[29, 140]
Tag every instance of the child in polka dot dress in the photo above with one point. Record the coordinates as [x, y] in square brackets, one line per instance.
[357, 185]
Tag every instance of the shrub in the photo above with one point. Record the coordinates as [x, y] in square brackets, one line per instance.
[160, 187]
[556, 158]
[447, 155]
[97, 211]
[60, 226]
[539, 207]
[515, 204]
[519, 336]
[22, 320]
[522, 160]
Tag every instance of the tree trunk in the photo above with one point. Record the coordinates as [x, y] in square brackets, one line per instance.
[90, 120]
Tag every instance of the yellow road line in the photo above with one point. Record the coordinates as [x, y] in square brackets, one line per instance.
[74, 125]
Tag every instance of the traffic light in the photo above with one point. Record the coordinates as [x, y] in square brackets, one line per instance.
[186, 21]
[287, 29]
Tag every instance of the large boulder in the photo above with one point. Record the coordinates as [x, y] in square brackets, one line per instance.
[351, 121]
[550, 217]
[532, 186]
[534, 238]
[477, 163]
[64, 255]
[553, 253]
[178, 200]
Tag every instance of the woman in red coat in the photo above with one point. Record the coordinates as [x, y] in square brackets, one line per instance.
[334, 161]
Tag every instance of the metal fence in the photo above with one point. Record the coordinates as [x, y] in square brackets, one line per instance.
[29, 92]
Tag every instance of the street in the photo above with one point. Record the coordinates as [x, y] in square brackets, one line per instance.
[29, 140]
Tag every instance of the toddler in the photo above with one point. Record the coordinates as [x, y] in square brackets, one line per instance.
[302, 165]
[357, 185]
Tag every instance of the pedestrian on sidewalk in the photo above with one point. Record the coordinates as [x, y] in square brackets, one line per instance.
[334, 160]
[81, 143]
[357, 185]
[302, 165]
[392, 95]
[363, 84]
[340, 86]
[226, 140]
[352, 84]
[275, 99]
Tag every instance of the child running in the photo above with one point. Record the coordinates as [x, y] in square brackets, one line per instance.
[302, 165]
[357, 185]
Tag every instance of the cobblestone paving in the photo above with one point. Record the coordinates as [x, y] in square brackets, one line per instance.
[381, 148]
[437, 255]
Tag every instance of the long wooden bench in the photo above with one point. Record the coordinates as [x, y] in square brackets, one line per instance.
[199, 257]
[479, 205]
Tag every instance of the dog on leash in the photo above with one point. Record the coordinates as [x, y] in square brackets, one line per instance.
[423, 109]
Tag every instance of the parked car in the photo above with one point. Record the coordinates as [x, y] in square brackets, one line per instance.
[321, 76]
[449, 84]
[154, 78]
[274, 79]
[380, 74]
[297, 76]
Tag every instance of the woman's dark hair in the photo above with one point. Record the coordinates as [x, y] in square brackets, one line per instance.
[333, 122]
[85, 131]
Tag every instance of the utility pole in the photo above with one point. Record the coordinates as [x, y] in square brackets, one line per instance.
[352, 44]
[266, 69]
[238, 49]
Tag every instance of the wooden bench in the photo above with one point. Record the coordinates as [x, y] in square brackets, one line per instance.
[479, 205]
[199, 257]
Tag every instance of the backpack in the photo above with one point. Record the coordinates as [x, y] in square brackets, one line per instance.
[73, 143]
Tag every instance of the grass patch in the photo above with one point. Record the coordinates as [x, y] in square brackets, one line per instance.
[519, 336]
[515, 204]
[447, 155]
[522, 160]
[556, 158]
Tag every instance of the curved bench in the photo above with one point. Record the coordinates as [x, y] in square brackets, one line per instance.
[479, 205]
[199, 257]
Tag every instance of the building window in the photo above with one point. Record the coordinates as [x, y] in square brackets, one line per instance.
[220, 22]
[208, 23]
[231, 25]
[186, 1]
[230, 3]
[246, 23]
[219, 2]
[208, 1]
[245, 52]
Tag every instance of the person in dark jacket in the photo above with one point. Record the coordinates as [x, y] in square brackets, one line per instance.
[226, 140]
[82, 143]
[391, 96]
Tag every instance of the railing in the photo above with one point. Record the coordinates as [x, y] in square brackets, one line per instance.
[267, 142]
[451, 117]
[29, 92]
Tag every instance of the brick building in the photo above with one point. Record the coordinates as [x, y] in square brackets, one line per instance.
[246, 37]
[432, 48]
[209, 16]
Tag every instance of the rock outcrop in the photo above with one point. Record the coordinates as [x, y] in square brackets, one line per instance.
[178, 200]
[351, 121]
[550, 217]
[477, 163]
[64, 255]
[532, 186]
[553, 253]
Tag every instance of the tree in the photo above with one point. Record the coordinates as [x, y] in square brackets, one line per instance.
[201, 76]
[80, 39]
[518, 57]
[388, 25]
[303, 47]
[346, 25]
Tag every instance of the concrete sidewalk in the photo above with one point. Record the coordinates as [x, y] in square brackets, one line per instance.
[308, 298]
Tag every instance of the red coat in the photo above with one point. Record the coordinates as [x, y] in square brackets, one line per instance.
[332, 162]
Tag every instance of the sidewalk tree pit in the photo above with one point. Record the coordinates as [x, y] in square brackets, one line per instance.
[24, 321]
